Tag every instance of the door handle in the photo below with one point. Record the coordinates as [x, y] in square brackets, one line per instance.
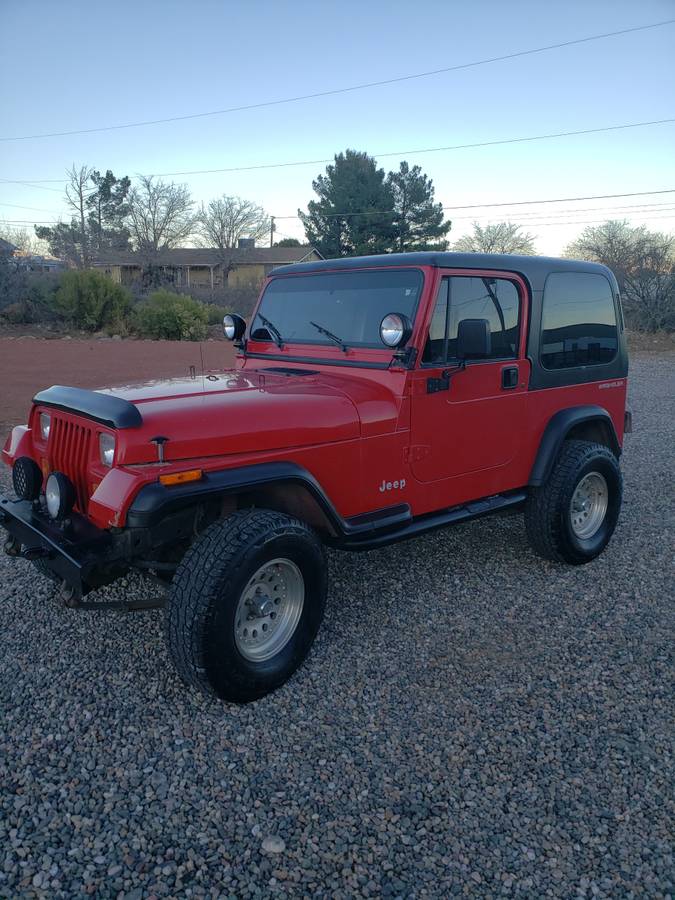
[510, 377]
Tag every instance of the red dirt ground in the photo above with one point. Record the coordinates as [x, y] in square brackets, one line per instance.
[29, 364]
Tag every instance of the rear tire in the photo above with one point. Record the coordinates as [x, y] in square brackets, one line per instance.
[246, 604]
[572, 517]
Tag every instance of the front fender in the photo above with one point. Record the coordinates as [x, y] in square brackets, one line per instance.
[19, 443]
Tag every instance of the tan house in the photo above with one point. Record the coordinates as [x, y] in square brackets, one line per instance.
[206, 269]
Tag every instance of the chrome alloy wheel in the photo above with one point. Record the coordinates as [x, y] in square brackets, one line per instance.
[269, 610]
[588, 506]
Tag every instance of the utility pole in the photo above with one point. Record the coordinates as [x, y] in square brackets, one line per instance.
[271, 231]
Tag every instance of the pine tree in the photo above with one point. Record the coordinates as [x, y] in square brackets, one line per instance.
[418, 220]
[354, 214]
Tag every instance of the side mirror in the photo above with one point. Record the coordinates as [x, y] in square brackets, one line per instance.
[473, 339]
[395, 329]
[233, 327]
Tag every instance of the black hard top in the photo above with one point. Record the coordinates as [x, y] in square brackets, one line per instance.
[535, 268]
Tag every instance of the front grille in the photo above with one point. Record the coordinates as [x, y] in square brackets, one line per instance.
[69, 450]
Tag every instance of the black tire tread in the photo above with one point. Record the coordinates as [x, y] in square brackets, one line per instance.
[199, 578]
[543, 519]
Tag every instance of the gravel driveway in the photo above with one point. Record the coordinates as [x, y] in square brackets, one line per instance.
[472, 721]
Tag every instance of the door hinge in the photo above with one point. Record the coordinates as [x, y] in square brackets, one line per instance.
[443, 383]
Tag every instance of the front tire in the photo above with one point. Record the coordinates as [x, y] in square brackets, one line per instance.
[572, 517]
[246, 604]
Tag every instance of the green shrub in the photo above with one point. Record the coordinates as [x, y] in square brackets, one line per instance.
[216, 312]
[28, 298]
[91, 301]
[172, 317]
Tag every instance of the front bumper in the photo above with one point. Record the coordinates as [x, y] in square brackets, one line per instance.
[79, 552]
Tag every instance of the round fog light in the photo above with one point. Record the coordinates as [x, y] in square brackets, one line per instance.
[60, 495]
[26, 478]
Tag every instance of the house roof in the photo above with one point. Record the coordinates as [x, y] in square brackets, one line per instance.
[199, 256]
[6, 247]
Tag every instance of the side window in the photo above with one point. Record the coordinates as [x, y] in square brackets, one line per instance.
[470, 297]
[578, 321]
[434, 351]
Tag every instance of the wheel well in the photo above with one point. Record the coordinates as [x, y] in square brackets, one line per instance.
[294, 499]
[596, 430]
[578, 423]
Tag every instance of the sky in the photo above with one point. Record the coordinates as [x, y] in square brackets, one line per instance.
[77, 65]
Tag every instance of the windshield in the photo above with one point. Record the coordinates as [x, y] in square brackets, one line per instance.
[343, 308]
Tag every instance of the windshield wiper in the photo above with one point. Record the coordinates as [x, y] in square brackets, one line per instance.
[333, 337]
[273, 330]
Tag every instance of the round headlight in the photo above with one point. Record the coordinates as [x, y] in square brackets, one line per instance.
[233, 327]
[26, 478]
[106, 445]
[394, 329]
[60, 495]
[45, 424]
[228, 327]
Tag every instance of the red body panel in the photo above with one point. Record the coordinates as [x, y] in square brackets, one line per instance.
[372, 437]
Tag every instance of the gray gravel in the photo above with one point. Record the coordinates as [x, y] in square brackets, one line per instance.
[473, 721]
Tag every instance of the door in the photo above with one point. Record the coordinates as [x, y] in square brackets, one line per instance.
[470, 421]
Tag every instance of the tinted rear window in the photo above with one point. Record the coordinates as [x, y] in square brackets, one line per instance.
[578, 321]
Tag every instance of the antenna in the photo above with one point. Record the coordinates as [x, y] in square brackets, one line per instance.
[201, 356]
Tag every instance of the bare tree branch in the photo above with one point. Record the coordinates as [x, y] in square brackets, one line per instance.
[160, 215]
[502, 237]
[77, 194]
[227, 219]
[644, 264]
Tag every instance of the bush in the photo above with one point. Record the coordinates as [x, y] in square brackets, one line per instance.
[92, 302]
[172, 317]
[216, 312]
[27, 297]
[234, 299]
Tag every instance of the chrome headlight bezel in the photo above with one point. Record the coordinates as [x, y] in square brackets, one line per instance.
[395, 330]
[59, 495]
[106, 448]
[45, 425]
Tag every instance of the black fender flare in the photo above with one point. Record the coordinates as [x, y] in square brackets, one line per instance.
[156, 501]
[557, 430]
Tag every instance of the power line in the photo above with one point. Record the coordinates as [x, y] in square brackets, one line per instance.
[589, 221]
[37, 184]
[561, 217]
[509, 203]
[23, 222]
[19, 206]
[518, 140]
[525, 222]
[563, 199]
[559, 213]
[533, 214]
[344, 90]
[638, 210]
[313, 162]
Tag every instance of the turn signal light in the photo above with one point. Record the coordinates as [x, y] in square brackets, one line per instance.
[181, 477]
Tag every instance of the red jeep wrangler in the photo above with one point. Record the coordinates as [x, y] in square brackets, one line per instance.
[373, 399]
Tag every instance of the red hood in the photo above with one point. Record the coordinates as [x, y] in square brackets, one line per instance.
[242, 412]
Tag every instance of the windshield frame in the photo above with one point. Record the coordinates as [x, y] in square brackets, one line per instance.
[356, 354]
